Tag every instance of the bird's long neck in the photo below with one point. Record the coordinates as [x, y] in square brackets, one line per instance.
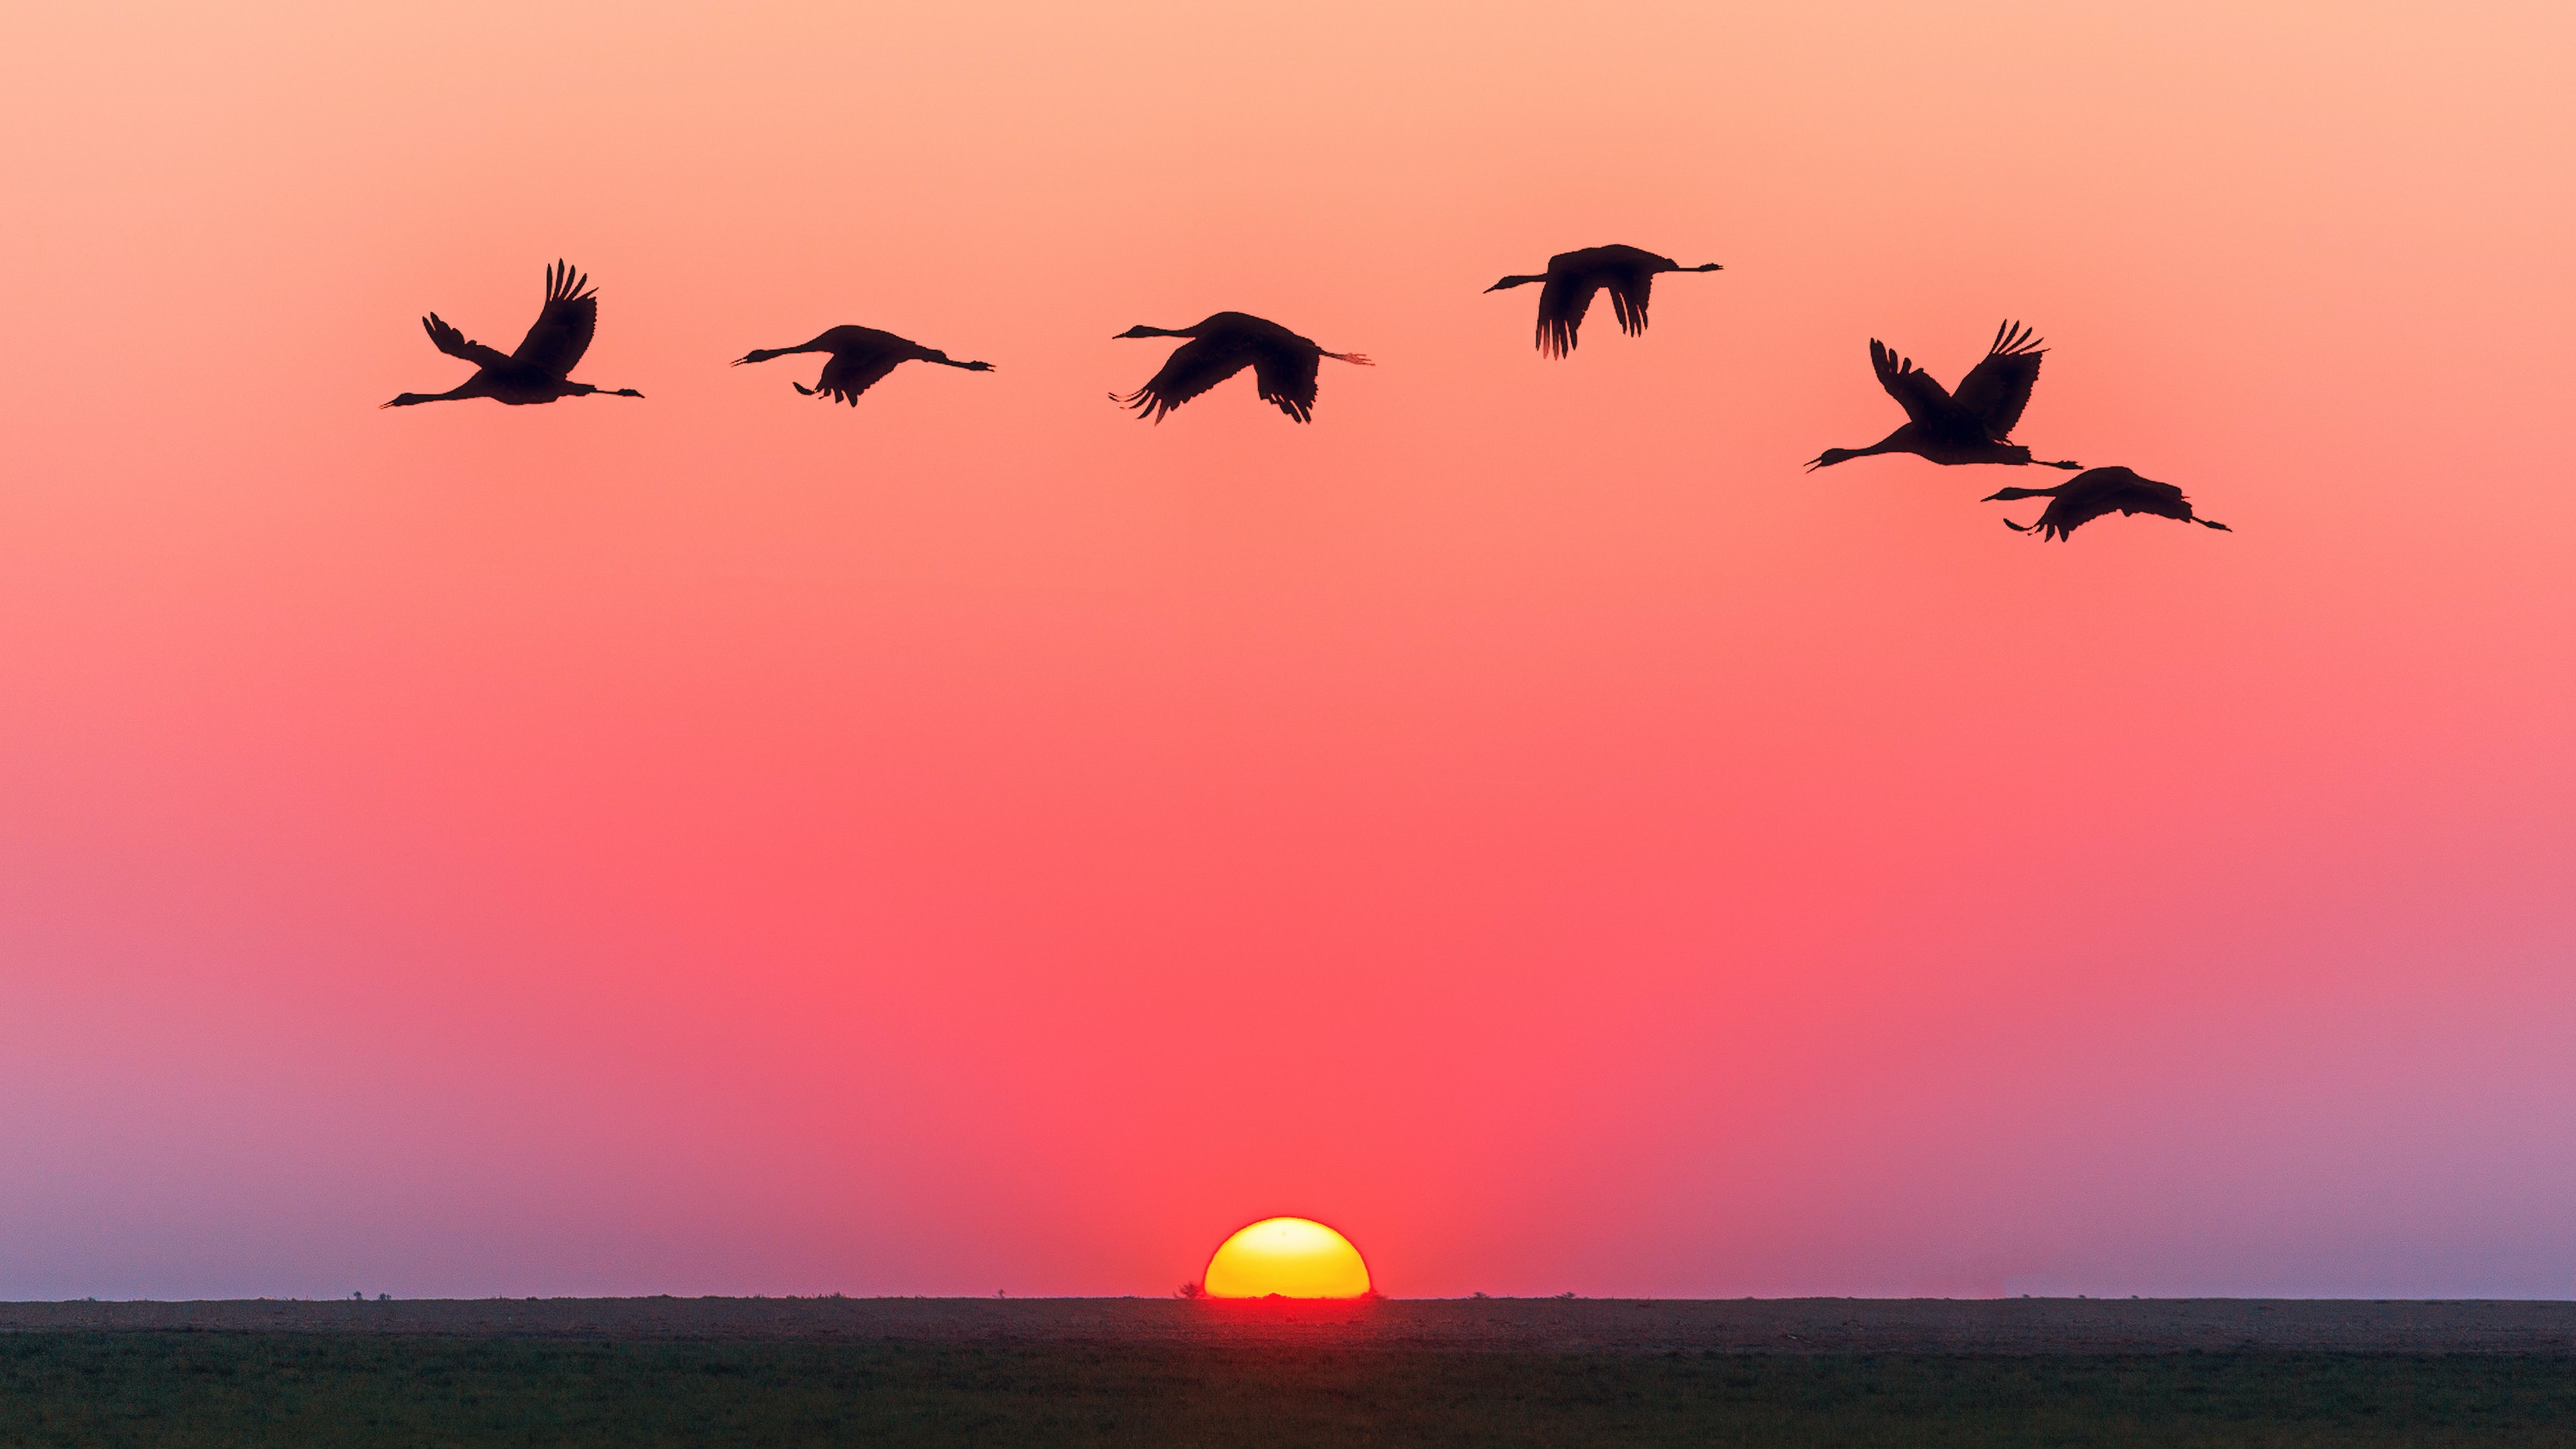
[458, 393]
[763, 354]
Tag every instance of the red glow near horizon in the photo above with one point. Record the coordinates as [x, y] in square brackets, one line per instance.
[974, 841]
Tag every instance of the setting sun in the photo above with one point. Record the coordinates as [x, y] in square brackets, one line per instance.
[1291, 1257]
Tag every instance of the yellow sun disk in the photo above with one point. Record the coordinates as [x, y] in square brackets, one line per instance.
[1292, 1257]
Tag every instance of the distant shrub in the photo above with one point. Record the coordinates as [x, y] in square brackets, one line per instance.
[1189, 1290]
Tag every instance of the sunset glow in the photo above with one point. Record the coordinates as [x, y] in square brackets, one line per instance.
[1288, 1257]
[728, 842]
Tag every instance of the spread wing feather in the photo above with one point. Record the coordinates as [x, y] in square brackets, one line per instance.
[1561, 305]
[851, 373]
[1927, 404]
[1193, 368]
[1630, 285]
[1997, 389]
[456, 344]
[563, 330]
[1285, 376]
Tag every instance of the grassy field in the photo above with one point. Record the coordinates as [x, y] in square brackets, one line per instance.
[178, 1391]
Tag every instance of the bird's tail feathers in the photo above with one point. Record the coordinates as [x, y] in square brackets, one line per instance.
[1354, 358]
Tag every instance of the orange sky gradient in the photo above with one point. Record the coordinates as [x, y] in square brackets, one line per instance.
[977, 841]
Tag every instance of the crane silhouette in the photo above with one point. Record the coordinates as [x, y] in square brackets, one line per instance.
[861, 357]
[2096, 492]
[1968, 426]
[537, 372]
[1283, 365]
[1572, 278]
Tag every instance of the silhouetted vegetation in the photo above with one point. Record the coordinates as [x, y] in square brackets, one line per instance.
[199, 1391]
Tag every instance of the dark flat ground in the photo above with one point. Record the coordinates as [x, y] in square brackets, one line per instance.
[663, 1373]
[1543, 1325]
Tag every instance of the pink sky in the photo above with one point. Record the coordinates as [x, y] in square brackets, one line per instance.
[722, 843]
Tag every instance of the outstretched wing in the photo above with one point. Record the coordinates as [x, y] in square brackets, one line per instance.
[1629, 286]
[1561, 305]
[2146, 495]
[1925, 402]
[850, 373]
[456, 344]
[1997, 389]
[2126, 491]
[2100, 492]
[562, 331]
[1193, 368]
[1285, 375]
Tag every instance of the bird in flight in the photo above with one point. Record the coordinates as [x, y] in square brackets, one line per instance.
[1968, 426]
[537, 372]
[2096, 492]
[861, 356]
[1572, 278]
[1283, 365]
